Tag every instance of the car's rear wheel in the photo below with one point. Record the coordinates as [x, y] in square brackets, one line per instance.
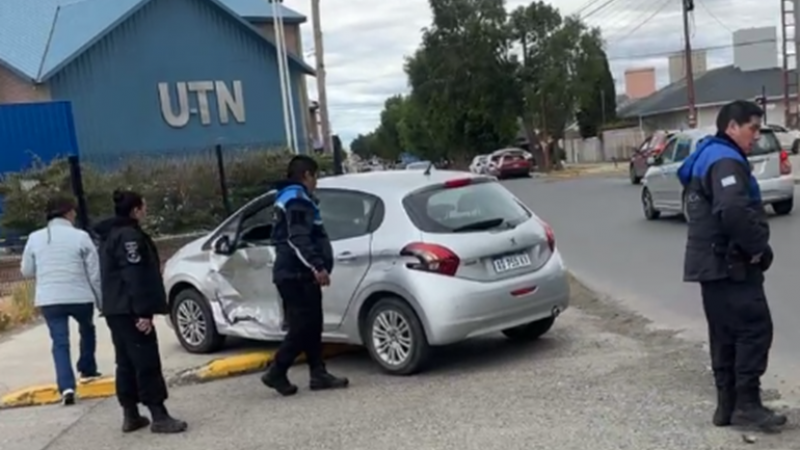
[194, 323]
[530, 331]
[795, 146]
[634, 178]
[784, 207]
[395, 337]
[650, 211]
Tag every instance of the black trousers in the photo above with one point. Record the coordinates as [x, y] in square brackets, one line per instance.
[739, 332]
[139, 376]
[302, 301]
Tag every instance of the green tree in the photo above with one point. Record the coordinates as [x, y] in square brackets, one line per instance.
[597, 100]
[461, 84]
[364, 145]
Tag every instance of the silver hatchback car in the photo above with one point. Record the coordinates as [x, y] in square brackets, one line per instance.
[422, 260]
[663, 192]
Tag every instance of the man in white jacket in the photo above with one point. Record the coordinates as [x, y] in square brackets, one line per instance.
[64, 263]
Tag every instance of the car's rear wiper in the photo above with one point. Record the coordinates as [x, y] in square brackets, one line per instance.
[481, 225]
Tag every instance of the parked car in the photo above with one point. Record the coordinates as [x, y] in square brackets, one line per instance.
[651, 147]
[663, 192]
[789, 139]
[419, 165]
[508, 164]
[421, 261]
[479, 164]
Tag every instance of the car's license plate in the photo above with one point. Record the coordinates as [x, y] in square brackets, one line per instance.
[511, 262]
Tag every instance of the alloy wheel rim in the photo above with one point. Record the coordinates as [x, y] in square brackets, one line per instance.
[648, 203]
[391, 337]
[191, 322]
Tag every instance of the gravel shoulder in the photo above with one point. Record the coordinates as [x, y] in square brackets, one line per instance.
[603, 379]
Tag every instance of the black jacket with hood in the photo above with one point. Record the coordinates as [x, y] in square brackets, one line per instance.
[130, 270]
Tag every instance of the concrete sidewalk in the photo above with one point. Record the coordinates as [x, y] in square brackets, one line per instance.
[25, 357]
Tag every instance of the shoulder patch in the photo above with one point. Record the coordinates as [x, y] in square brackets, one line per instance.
[132, 254]
[730, 180]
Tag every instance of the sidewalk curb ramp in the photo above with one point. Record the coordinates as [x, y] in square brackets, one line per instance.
[226, 367]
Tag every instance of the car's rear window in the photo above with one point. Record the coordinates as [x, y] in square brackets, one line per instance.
[766, 143]
[474, 207]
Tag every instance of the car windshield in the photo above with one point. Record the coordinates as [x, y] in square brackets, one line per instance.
[474, 207]
[766, 143]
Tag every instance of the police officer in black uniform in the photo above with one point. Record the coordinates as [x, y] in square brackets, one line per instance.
[727, 252]
[133, 293]
[304, 261]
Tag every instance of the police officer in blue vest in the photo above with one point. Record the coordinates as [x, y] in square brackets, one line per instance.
[304, 261]
[727, 252]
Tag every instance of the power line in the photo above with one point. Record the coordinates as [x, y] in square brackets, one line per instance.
[645, 21]
[674, 52]
[713, 16]
[585, 6]
[603, 6]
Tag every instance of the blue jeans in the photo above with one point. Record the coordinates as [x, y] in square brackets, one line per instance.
[57, 319]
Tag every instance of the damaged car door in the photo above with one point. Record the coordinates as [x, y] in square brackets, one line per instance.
[240, 271]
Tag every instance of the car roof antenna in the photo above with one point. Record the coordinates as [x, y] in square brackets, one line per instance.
[428, 170]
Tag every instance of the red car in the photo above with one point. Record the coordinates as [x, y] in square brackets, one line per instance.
[652, 146]
[510, 164]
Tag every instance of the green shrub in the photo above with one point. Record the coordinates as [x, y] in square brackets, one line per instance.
[183, 194]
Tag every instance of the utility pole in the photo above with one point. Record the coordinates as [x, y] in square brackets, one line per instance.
[688, 6]
[789, 46]
[322, 94]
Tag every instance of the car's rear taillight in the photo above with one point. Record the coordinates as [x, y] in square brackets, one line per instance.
[457, 183]
[551, 235]
[786, 164]
[432, 258]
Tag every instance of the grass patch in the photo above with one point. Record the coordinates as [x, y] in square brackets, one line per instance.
[18, 308]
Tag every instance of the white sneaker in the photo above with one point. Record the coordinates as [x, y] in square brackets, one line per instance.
[68, 397]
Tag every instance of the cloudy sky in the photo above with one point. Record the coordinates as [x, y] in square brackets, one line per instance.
[366, 41]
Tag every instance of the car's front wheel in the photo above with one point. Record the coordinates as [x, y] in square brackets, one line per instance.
[395, 337]
[783, 207]
[649, 208]
[530, 331]
[194, 323]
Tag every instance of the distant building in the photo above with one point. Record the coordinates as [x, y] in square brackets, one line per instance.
[155, 75]
[640, 82]
[677, 65]
[755, 67]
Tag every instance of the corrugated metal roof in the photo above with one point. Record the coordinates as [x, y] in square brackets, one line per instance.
[717, 86]
[38, 36]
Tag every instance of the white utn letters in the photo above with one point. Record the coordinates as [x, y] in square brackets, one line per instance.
[174, 120]
[202, 88]
[227, 103]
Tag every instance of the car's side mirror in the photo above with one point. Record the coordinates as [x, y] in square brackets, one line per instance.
[223, 245]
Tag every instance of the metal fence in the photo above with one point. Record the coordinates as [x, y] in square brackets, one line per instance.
[187, 191]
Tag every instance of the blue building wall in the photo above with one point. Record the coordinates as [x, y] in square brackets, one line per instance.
[114, 91]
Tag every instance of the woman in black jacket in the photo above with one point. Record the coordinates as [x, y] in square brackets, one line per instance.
[133, 293]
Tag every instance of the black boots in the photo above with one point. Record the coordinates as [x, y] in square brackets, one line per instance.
[749, 411]
[726, 402]
[163, 422]
[132, 420]
[274, 379]
[321, 379]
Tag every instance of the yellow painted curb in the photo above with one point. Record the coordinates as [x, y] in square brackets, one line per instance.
[48, 393]
[230, 366]
[253, 362]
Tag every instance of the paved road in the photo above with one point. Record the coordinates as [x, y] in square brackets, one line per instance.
[599, 380]
[605, 239]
